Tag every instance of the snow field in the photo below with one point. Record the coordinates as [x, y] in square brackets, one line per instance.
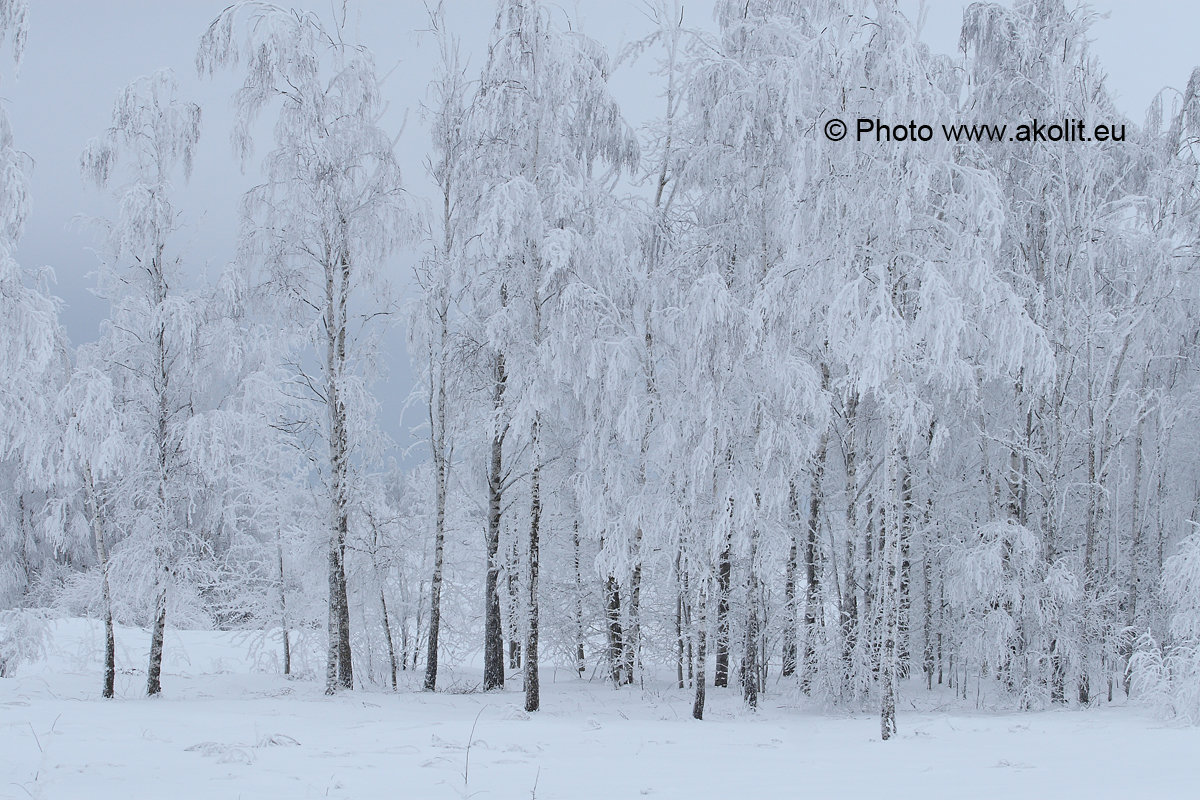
[224, 730]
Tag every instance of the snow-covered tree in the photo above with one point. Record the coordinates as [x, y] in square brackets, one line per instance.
[1092, 234]
[542, 121]
[88, 458]
[151, 345]
[322, 226]
[1169, 674]
[33, 355]
[438, 276]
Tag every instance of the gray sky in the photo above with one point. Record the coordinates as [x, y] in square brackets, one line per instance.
[81, 52]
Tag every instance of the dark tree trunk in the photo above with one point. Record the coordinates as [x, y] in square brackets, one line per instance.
[904, 533]
[405, 641]
[435, 607]
[870, 576]
[159, 627]
[283, 619]
[680, 600]
[493, 635]
[154, 673]
[750, 666]
[387, 632]
[1091, 527]
[849, 611]
[516, 603]
[941, 660]
[580, 653]
[420, 633]
[927, 655]
[1058, 674]
[634, 631]
[789, 585]
[701, 652]
[331, 653]
[612, 612]
[345, 667]
[687, 627]
[514, 652]
[437, 424]
[110, 641]
[1135, 549]
[812, 566]
[533, 699]
[439, 549]
[92, 509]
[812, 595]
[110, 657]
[724, 576]
[339, 669]
[888, 654]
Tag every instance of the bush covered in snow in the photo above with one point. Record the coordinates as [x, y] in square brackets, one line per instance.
[1167, 674]
[23, 635]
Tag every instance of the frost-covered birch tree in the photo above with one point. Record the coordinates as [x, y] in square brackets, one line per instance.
[542, 121]
[88, 455]
[907, 237]
[1091, 235]
[150, 344]
[439, 277]
[323, 224]
[616, 301]
[33, 353]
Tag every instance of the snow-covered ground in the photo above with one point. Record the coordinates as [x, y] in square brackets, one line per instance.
[223, 730]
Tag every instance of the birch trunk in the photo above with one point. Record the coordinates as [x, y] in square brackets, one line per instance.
[580, 653]
[904, 534]
[812, 567]
[387, 633]
[1136, 543]
[750, 664]
[516, 603]
[724, 576]
[680, 636]
[162, 575]
[849, 610]
[331, 653]
[889, 587]
[532, 689]
[632, 648]
[791, 615]
[283, 618]
[493, 636]
[340, 671]
[437, 443]
[612, 613]
[435, 583]
[701, 652]
[91, 508]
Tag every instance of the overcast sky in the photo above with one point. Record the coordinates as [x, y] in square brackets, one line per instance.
[81, 52]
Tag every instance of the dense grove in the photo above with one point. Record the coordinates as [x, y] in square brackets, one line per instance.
[720, 400]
